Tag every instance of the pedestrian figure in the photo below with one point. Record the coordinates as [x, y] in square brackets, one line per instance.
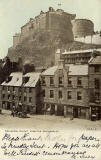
[12, 113]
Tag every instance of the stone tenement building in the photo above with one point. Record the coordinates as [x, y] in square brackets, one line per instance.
[65, 89]
[21, 92]
[73, 89]
[77, 56]
[52, 21]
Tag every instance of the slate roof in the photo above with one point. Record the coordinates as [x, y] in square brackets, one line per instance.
[73, 70]
[33, 79]
[78, 70]
[16, 79]
[50, 71]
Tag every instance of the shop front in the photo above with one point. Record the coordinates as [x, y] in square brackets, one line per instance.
[95, 112]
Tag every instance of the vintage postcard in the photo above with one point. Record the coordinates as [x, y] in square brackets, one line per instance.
[50, 80]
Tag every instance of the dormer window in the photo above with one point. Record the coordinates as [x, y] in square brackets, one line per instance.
[8, 79]
[26, 79]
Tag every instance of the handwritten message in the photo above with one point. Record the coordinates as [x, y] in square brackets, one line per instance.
[60, 145]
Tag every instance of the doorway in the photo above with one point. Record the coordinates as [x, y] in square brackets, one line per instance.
[52, 109]
[8, 106]
[75, 112]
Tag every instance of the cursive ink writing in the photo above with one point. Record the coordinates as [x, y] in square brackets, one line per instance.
[50, 144]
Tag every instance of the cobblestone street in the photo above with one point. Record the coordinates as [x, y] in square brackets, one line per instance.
[46, 122]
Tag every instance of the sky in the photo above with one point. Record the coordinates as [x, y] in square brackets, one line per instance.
[15, 13]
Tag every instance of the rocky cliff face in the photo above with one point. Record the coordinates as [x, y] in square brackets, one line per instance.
[41, 36]
[40, 48]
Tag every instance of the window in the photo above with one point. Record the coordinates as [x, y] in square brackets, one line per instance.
[30, 90]
[8, 79]
[43, 81]
[8, 96]
[26, 79]
[79, 96]
[79, 81]
[97, 96]
[3, 87]
[69, 81]
[25, 98]
[51, 80]
[69, 95]
[97, 68]
[13, 97]
[43, 93]
[30, 99]
[60, 94]
[19, 89]
[3, 96]
[60, 80]
[97, 83]
[51, 94]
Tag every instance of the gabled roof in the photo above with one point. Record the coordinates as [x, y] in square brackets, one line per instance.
[33, 79]
[95, 60]
[72, 69]
[16, 79]
[50, 71]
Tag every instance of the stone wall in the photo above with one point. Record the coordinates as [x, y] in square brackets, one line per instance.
[91, 39]
[16, 39]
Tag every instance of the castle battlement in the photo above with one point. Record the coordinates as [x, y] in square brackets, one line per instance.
[50, 20]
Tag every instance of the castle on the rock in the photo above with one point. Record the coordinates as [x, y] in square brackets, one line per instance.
[56, 21]
[61, 22]
[71, 86]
